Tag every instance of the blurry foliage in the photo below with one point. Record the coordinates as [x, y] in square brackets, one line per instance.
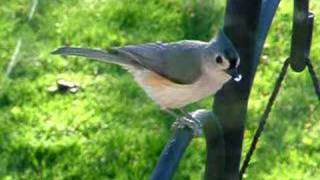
[110, 129]
[198, 18]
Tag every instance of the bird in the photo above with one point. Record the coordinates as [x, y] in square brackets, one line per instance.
[173, 74]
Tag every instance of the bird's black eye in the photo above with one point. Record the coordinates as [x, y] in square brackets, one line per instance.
[219, 59]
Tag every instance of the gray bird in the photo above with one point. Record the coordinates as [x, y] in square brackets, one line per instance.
[173, 74]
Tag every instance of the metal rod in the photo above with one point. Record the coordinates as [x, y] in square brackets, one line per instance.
[246, 24]
[171, 155]
[176, 146]
[264, 117]
[315, 79]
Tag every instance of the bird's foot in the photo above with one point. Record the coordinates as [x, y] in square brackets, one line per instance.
[187, 122]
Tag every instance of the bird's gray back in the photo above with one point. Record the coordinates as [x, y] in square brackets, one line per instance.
[179, 62]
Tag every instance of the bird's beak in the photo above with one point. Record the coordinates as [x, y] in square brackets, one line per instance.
[234, 74]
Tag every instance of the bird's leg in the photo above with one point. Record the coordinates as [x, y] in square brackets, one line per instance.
[192, 123]
[172, 113]
[188, 115]
[186, 121]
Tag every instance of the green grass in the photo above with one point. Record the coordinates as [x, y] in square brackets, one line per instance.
[110, 129]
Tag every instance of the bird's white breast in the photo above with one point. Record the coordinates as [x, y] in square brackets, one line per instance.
[172, 95]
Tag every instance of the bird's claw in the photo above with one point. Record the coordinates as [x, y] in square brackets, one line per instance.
[191, 123]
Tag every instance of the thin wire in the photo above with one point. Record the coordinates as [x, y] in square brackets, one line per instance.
[264, 117]
[315, 80]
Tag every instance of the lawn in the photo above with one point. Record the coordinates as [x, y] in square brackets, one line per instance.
[110, 129]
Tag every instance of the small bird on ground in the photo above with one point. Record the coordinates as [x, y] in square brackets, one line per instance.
[173, 74]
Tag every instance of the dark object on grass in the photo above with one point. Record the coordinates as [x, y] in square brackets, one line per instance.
[64, 86]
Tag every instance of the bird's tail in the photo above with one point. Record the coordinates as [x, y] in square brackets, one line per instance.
[96, 54]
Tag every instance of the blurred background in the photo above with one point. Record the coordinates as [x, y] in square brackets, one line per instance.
[109, 129]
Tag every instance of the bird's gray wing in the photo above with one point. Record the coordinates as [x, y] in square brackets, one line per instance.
[179, 62]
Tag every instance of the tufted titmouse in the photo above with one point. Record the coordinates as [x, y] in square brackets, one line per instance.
[173, 74]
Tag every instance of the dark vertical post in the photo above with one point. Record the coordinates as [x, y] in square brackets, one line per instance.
[230, 105]
[246, 26]
[301, 35]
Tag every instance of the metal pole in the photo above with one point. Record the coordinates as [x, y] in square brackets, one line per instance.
[246, 24]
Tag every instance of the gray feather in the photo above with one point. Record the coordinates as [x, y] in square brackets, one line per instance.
[104, 56]
[178, 61]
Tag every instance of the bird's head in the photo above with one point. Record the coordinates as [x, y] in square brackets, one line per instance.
[224, 57]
